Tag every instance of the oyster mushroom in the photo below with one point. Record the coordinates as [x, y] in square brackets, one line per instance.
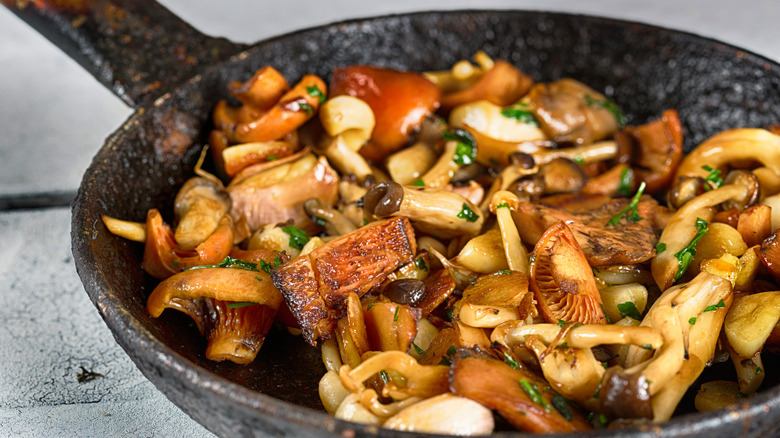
[571, 112]
[275, 196]
[400, 102]
[199, 206]
[316, 285]
[588, 153]
[502, 85]
[494, 299]
[349, 122]
[445, 414]
[437, 212]
[562, 280]
[292, 110]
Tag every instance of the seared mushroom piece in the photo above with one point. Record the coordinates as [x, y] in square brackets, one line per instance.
[262, 91]
[233, 307]
[520, 396]
[494, 299]
[292, 110]
[484, 254]
[336, 224]
[562, 280]
[684, 189]
[237, 157]
[199, 206]
[502, 85]
[316, 285]
[437, 212]
[588, 153]
[627, 242]
[750, 321]
[571, 112]
[275, 196]
[562, 175]
[400, 102]
[655, 150]
[348, 122]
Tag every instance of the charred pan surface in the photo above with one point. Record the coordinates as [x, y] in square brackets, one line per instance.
[627, 242]
[316, 285]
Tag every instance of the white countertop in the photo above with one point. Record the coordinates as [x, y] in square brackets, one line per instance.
[54, 117]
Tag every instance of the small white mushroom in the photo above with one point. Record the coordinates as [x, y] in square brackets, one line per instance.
[502, 204]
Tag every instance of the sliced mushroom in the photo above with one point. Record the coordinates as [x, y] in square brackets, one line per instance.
[292, 110]
[562, 175]
[399, 100]
[135, 231]
[750, 321]
[237, 157]
[445, 414]
[410, 164]
[502, 204]
[484, 254]
[502, 85]
[262, 90]
[391, 326]
[571, 112]
[316, 285]
[562, 280]
[494, 299]
[274, 195]
[437, 212]
[656, 149]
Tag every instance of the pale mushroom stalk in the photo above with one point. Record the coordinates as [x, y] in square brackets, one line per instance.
[732, 146]
[510, 174]
[437, 212]
[349, 122]
[336, 224]
[750, 371]
[445, 414]
[135, 231]
[501, 204]
[598, 151]
[444, 168]
[681, 230]
[409, 164]
[421, 380]
[582, 336]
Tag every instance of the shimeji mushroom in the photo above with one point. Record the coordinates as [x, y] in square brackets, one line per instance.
[689, 317]
[437, 212]
[335, 223]
[502, 204]
[348, 121]
[199, 206]
[494, 299]
[588, 153]
[233, 307]
[683, 227]
[237, 157]
[748, 324]
[502, 85]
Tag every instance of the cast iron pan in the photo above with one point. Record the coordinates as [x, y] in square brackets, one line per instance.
[174, 75]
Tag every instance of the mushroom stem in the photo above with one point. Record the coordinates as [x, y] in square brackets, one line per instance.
[135, 231]
[336, 224]
[501, 204]
[598, 151]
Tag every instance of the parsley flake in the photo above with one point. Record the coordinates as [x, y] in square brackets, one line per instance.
[626, 182]
[230, 262]
[419, 350]
[608, 105]
[238, 304]
[466, 149]
[509, 360]
[692, 320]
[533, 393]
[520, 112]
[298, 237]
[631, 208]
[266, 267]
[420, 263]
[316, 92]
[714, 307]
[660, 247]
[468, 214]
[629, 309]
[685, 255]
[395, 316]
[714, 178]
[419, 182]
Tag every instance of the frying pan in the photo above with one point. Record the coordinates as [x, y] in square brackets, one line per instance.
[173, 75]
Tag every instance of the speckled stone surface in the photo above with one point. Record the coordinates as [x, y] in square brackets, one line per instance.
[54, 117]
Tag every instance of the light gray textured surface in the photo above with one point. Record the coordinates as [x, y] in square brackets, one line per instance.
[54, 117]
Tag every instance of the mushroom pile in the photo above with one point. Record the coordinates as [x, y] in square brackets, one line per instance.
[468, 243]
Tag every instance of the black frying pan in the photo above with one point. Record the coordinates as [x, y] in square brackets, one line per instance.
[174, 75]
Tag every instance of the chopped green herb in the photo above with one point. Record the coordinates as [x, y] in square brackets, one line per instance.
[649, 382]
[267, 267]
[175, 263]
[647, 347]
[298, 237]
[319, 221]
[521, 412]
[370, 305]
[631, 208]
[419, 182]
[759, 370]
[598, 390]
[660, 247]
[420, 263]
[605, 314]
[271, 158]
[740, 395]
[714, 307]
[448, 314]
[493, 161]
[384, 376]
[502, 205]
[395, 316]
[503, 272]
[451, 351]
[509, 360]
[306, 107]
[365, 221]
[520, 112]
[258, 278]
[692, 321]
[466, 149]
[562, 405]
[605, 365]
[561, 323]
[230, 262]
[602, 419]
[609, 106]
[316, 92]
[419, 350]
[468, 214]
[238, 304]
[578, 159]
[533, 393]
[563, 345]
[626, 182]
[629, 309]
[685, 256]
[714, 178]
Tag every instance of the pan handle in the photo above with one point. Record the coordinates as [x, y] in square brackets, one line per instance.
[137, 49]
